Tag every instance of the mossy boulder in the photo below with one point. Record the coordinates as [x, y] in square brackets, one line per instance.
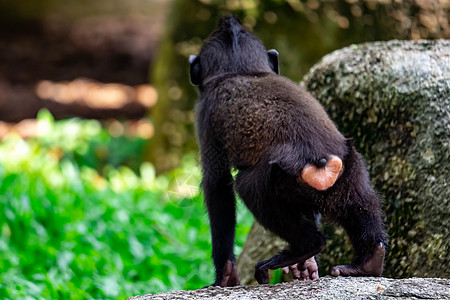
[393, 99]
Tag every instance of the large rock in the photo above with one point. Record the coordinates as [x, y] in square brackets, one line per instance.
[393, 99]
[323, 288]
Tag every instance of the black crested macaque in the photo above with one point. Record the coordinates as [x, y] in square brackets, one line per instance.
[293, 164]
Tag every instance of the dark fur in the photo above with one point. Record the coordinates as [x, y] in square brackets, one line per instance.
[269, 128]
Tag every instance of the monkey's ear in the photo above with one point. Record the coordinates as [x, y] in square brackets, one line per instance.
[273, 60]
[195, 70]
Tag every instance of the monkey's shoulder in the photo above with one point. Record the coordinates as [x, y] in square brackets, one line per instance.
[263, 97]
[269, 88]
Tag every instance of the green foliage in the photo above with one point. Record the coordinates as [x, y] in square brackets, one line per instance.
[68, 232]
[276, 277]
[87, 144]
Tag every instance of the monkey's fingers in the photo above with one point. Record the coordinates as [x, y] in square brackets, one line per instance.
[230, 275]
[304, 271]
[288, 269]
[309, 269]
[312, 270]
[322, 178]
[295, 272]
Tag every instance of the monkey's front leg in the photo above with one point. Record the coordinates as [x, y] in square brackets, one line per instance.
[220, 202]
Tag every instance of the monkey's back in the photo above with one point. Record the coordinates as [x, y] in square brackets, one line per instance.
[255, 114]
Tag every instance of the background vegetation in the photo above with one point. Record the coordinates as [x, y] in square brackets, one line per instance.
[82, 217]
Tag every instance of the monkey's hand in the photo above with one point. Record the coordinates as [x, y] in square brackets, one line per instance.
[230, 275]
[372, 267]
[307, 270]
[324, 174]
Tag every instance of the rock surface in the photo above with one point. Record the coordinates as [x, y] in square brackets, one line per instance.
[323, 288]
[393, 99]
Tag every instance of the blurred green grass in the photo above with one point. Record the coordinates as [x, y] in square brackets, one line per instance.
[81, 217]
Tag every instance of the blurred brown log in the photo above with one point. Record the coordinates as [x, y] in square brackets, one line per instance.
[29, 128]
[41, 61]
[81, 97]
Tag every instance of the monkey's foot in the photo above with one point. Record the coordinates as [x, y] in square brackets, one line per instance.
[324, 175]
[373, 267]
[230, 275]
[307, 270]
[288, 258]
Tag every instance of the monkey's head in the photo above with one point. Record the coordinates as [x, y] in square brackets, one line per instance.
[231, 49]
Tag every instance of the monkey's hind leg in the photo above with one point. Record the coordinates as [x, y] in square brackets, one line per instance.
[365, 230]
